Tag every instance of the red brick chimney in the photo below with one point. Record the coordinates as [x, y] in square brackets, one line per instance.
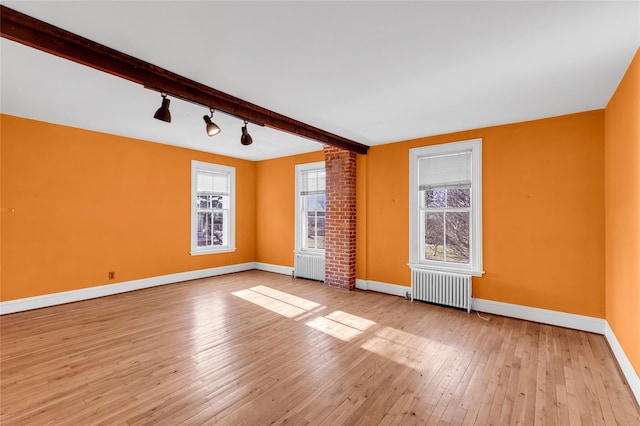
[340, 240]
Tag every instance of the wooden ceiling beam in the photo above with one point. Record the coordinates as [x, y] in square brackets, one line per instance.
[40, 35]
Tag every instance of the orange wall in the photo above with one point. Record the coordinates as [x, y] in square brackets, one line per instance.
[86, 203]
[543, 213]
[622, 212]
[275, 207]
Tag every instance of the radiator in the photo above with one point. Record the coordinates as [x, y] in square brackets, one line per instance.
[442, 288]
[309, 266]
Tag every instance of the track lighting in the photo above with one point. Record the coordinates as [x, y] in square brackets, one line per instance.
[246, 138]
[163, 112]
[212, 128]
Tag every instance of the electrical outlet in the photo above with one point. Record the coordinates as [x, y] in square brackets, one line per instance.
[112, 275]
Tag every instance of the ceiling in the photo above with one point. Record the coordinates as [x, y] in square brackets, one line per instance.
[374, 72]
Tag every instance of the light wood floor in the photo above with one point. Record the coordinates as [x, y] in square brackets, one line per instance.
[259, 348]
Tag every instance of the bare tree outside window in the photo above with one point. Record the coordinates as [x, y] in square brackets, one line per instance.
[434, 236]
[447, 224]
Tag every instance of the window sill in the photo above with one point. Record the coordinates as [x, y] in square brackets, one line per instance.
[215, 251]
[318, 253]
[450, 270]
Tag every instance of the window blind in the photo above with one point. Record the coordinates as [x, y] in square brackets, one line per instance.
[212, 183]
[445, 171]
[313, 182]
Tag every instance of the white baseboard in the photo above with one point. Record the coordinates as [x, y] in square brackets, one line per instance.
[36, 302]
[285, 270]
[545, 316]
[625, 365]
[380, 287]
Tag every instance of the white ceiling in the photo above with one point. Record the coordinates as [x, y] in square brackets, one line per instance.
[374, 72]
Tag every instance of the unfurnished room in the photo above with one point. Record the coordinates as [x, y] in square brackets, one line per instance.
[320, 213]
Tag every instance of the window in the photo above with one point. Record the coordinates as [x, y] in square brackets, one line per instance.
[311, 204]
[212, 208]
[446, 207]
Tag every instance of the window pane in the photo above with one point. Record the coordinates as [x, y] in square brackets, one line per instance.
[219, 202]
[312, 203]
[434, 236]
[204, 201]
[459, 197]
[316, 202]
[320, 231]
[218, 229]
[204, 229]
[311, 229]
[309, 202]
[434, 198]
[457, 237]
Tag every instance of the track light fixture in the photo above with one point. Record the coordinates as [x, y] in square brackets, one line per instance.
[212, 128]
[246, 138]
[163, 112]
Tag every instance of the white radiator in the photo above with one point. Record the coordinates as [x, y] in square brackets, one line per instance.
[442, 288]
[309, 266]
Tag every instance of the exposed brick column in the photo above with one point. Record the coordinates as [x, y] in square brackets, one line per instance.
[340, 239]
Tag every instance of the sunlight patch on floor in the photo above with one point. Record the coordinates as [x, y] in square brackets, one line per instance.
[281, 303]
[398, 346]
[341, 325]
[351, 320]
[333, 328]
[300, 302]
[274, 305]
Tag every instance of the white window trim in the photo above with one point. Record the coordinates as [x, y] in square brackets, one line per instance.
[231, 238]
[415, 261]
[298, 220]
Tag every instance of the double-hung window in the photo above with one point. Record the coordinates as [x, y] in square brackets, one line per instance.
[212, 208]
[311, 204]
[446, 207]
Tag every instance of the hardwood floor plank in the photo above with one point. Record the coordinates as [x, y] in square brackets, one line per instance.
[262, 348]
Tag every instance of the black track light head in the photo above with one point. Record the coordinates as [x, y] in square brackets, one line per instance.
[246, 138]
[163, 112]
